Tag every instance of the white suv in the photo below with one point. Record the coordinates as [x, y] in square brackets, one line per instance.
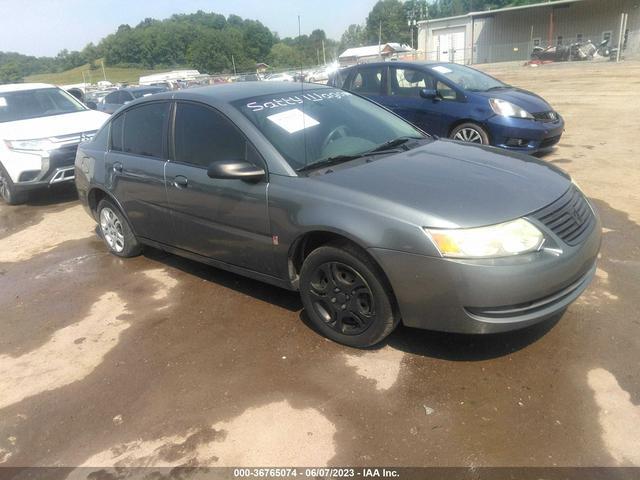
[40, 129]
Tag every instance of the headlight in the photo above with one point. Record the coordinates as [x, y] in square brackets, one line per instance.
[508, 109]
[502, 240]
[41, 145]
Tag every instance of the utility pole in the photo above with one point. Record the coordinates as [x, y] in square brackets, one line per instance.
[324, 56]
[380, 40]
[234, 64]
[104, 75]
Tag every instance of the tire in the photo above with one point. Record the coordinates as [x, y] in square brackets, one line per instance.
[8, 189]
[116, 231]
[470, 132]
[346, 296]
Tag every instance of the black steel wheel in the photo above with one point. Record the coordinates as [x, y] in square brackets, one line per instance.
[346, 296]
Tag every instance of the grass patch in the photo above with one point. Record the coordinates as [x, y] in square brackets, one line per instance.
[114, 75]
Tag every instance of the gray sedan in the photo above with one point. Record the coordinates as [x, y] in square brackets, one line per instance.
[318, 190]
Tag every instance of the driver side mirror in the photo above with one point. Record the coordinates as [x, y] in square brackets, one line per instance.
[429, 94]
[91, 105]
[235, 169]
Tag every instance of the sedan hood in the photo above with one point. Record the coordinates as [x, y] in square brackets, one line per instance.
[531, 102]
[447, 184]
[53, 126]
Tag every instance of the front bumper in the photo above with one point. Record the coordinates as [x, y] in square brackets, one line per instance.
[39, 172]
[489, 295]
[523, 135]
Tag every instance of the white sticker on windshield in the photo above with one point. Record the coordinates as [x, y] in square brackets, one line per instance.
[293, 120]
[3, 102]
[441, 69]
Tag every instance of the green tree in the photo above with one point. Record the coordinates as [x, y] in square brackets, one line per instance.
[284, 56]
[387, 17]
[10, 73]
[354, 36]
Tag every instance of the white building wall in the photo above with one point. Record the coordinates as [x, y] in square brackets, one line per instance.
[510, 35]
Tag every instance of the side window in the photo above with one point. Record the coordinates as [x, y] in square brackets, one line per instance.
[117, 129]
[367, 80]
[143, 129]
[203, 135]
[125, 97]
[445, 91]
[113, 97]
[407, 82]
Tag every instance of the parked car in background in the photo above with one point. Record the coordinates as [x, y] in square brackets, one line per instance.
[373, 221]
[251, 77]
[318, 76]
[40, 129]
[457, 102]
[279, 77]
[117, 99]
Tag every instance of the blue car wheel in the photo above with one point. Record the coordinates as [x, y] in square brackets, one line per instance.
[470, 132]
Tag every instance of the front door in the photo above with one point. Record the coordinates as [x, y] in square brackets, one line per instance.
[136, 158]
[405, 99]
[224, 219]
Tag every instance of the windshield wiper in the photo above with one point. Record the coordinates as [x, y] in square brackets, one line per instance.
[327, 162]
[497, 87]
[396, 142]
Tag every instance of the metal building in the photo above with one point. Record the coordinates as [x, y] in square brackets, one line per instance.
[511, 33]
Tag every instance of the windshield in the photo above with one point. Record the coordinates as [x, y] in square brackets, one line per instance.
[41, 102]
[468, 78]
[313, 125]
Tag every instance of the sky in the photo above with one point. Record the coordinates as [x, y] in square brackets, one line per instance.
[44, 27]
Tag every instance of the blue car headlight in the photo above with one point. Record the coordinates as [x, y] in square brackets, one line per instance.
[508, 109]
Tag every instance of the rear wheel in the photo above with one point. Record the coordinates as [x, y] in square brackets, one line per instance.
[8, 189]
[470, 132]
[346, 296]
[116, 232]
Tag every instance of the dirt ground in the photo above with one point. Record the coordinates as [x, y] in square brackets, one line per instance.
[158, 360]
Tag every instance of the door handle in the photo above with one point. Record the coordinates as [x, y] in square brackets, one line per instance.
[117, 167]
[180, 182]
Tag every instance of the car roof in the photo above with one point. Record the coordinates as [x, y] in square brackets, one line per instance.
[18, 87]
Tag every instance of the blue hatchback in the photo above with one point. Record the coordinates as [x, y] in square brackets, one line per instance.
[458, 102]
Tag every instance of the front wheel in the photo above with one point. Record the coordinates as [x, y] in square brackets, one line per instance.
[116, 232]
[8, 189]
[470, 132]
[346, 296]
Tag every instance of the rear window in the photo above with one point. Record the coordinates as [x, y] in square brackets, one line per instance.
[41, 102]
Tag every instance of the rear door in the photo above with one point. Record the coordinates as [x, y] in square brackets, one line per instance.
[224, 219]
[137, 158]
[369, 81]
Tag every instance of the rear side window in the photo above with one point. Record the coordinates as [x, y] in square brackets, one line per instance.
[117, 126]
[203, 136]
[143, 129]
[367, 81]
[113, 98]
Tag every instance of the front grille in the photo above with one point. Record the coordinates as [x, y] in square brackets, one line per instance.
[570, 217]
[549, 116]
[549, 142]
